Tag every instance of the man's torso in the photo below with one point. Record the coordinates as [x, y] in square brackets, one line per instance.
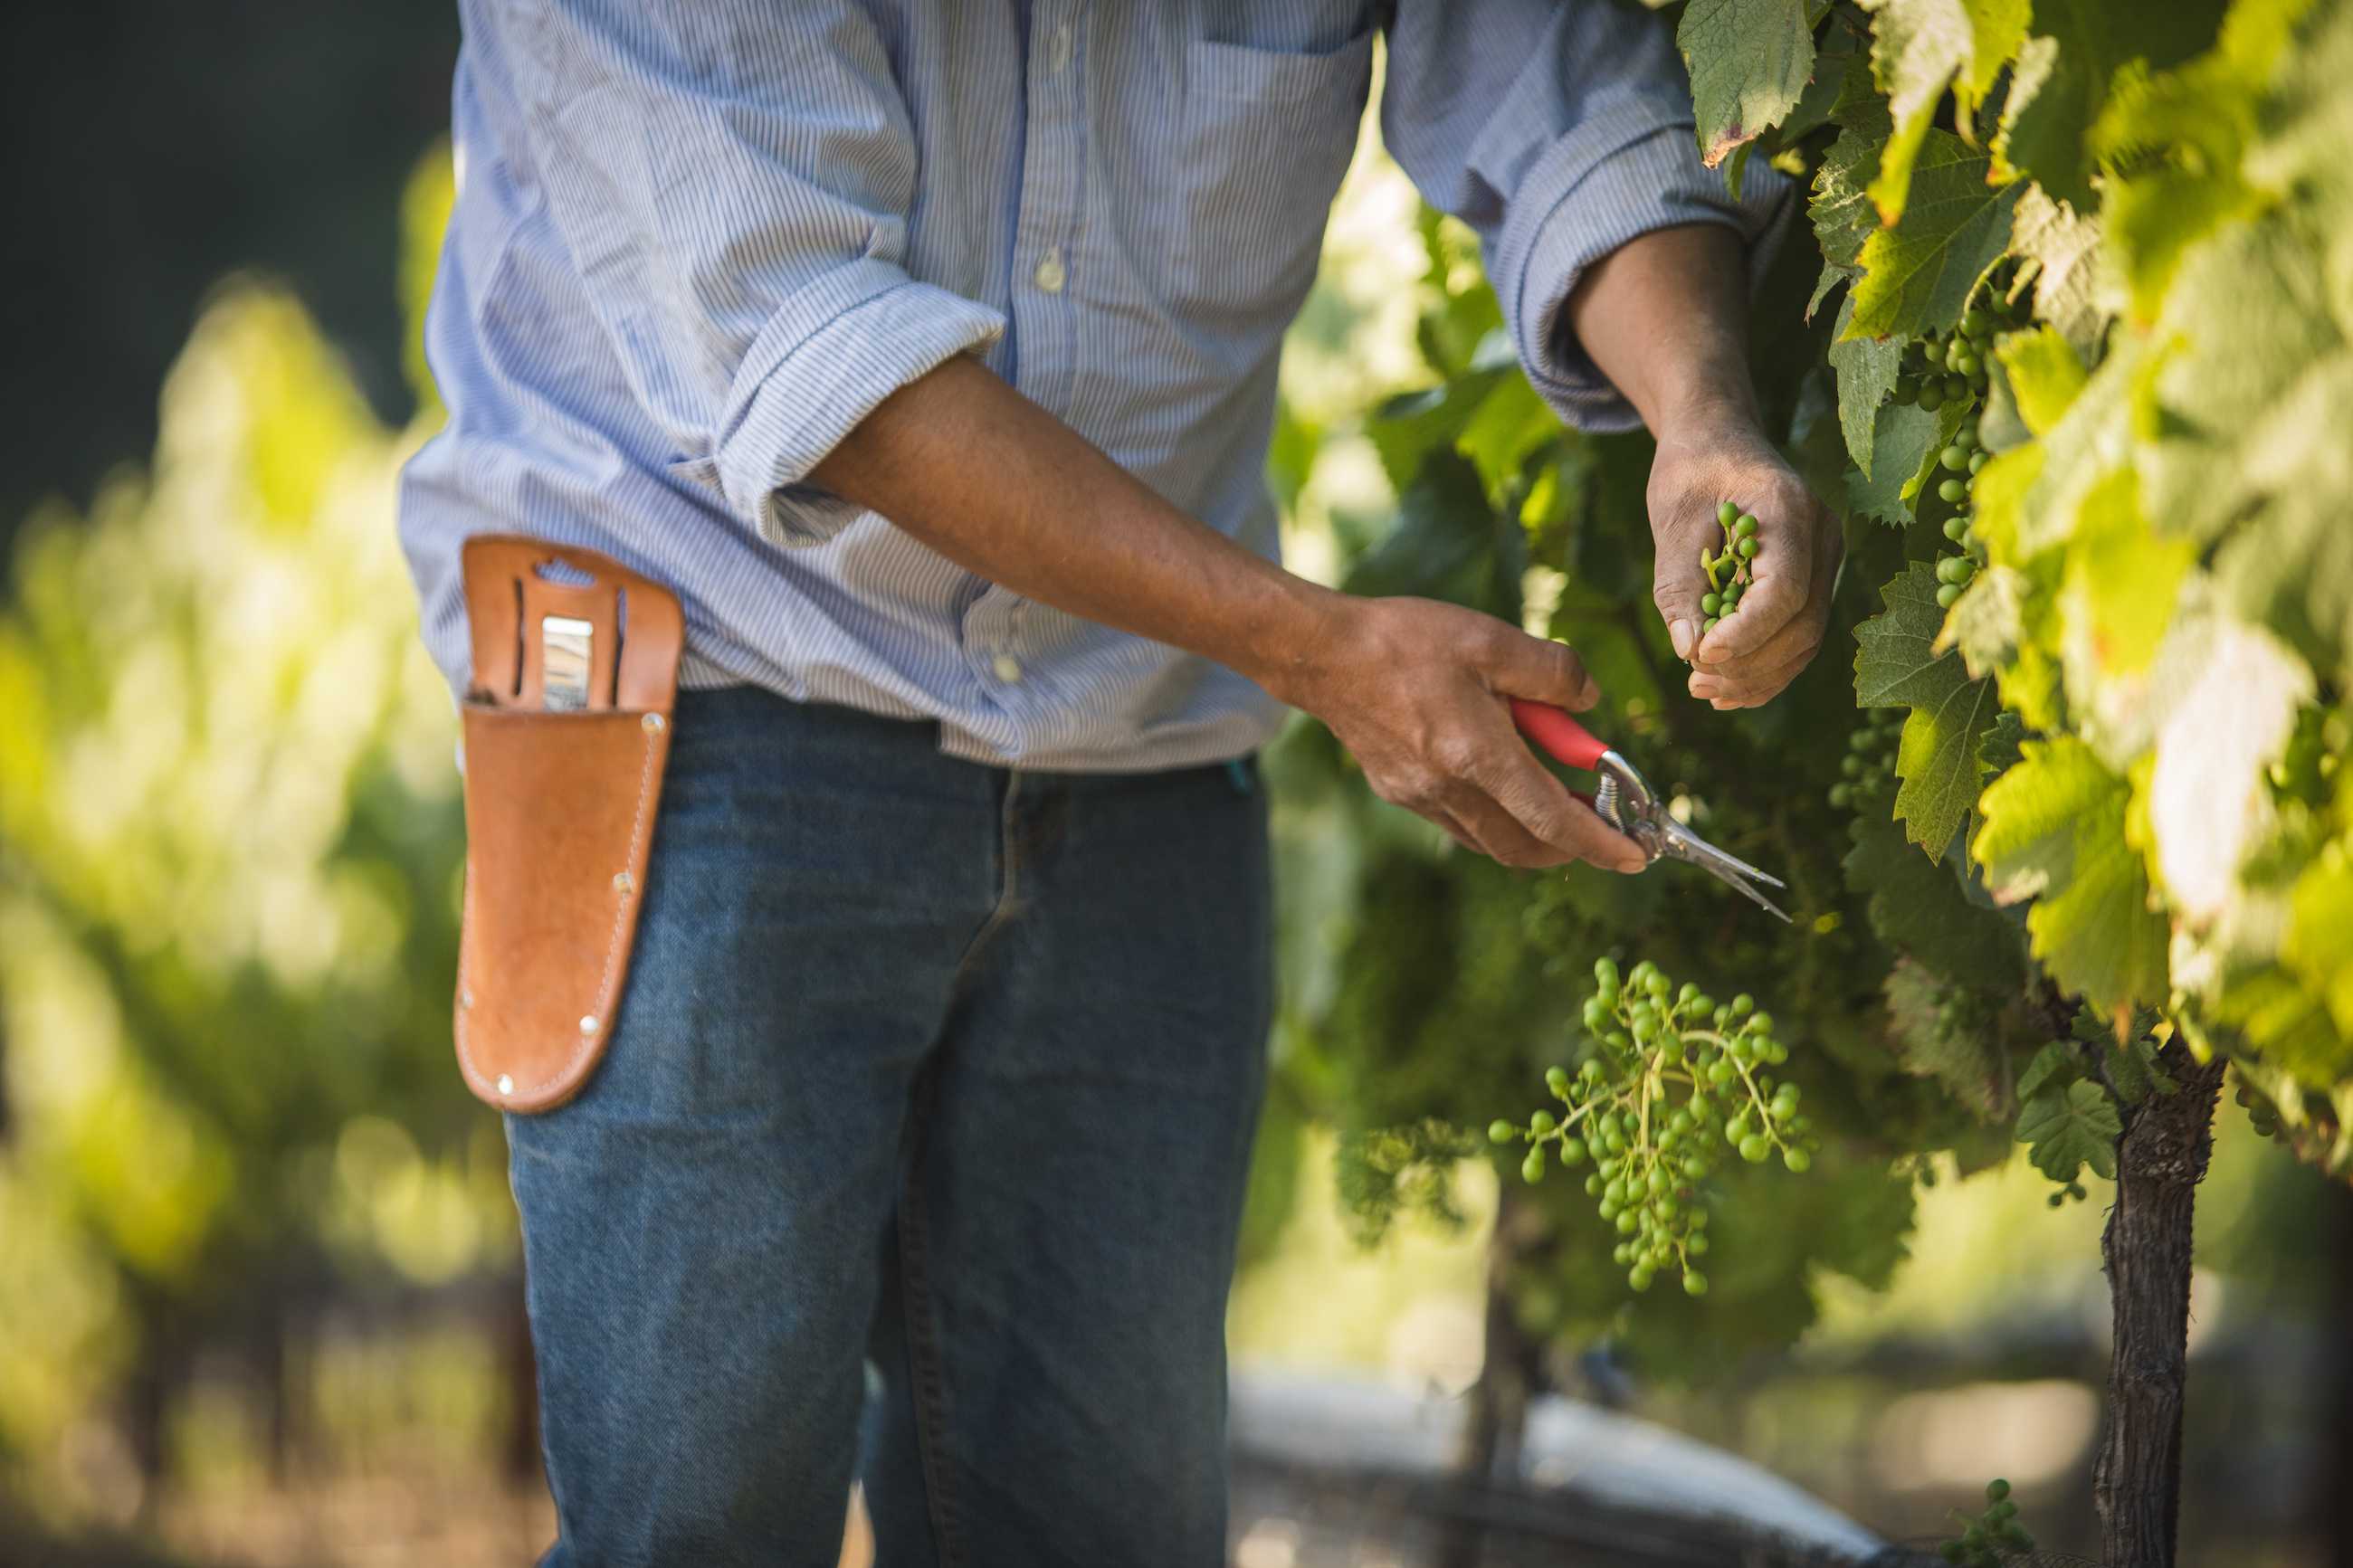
[1141, 191]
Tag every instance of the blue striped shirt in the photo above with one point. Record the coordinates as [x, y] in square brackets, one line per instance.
[696, 242]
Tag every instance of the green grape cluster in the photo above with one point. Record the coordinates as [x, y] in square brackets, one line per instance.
[2261, 1114]
[1960, 462]
[1677, 1081]
[1984, 1540]
[1869, 764]
[1732, 570]
[1938, 368]
[2075, 1191]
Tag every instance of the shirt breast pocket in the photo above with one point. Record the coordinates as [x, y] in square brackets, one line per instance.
[1268, 134]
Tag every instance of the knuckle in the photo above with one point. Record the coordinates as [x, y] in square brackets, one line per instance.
[1455, 754]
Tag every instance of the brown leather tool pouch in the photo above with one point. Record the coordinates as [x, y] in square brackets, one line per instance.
[566, 732]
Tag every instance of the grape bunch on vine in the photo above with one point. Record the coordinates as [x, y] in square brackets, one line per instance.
[1676, 1078]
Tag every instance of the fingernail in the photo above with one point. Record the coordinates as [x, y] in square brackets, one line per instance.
[1680, 634]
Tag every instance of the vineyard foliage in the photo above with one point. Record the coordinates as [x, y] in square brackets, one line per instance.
[2063, 331]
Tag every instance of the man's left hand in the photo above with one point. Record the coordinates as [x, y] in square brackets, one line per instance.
[1754, 653]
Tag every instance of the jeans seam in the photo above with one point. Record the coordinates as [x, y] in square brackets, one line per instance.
[928, 1379]
[1008, 891]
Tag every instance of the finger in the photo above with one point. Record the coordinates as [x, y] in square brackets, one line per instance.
[1541, 807]
[1799, 638]
[1676, 584]
[1517, 665]
[1758, 680]
[1782, 579]
[1454, 828]
[1499, 836]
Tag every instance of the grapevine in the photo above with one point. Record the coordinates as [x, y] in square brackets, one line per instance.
[2069, 373]
[1675, 1079]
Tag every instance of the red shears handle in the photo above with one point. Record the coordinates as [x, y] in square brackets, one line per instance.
[1558, 734]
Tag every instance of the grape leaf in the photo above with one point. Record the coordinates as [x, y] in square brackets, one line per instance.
[2133, 1072]
[1938, 761]
[2091, 440]
[2227, 720]
[1966, 1061]
[2055, 1063]
[2260, 381]
[1918, 273]
[2178, 142]
[1984, 623]
[2044, 375]
[2293, 571]
[2070, 288]
[2244, 441]
[2319, 942]
[2061, 81]
[1749, 61]
[2053, 831]
[1905, 442]
[1409, 426]
[2043, 118]
[1841, 81]
[1999, 753]
[1866, 374]
[1916, 905]
[2070, 1130]
[1896, 665]
[1510, 426]
[1920, 48]
[1832, 276]
[2119, 590]
[1839, 206]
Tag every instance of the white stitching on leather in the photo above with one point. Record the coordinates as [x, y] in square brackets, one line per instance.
[621, 918]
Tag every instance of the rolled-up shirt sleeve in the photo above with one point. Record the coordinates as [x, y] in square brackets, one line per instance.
[740, 205]
[1559, 131]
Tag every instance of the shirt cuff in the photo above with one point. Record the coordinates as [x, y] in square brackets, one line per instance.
[1594, 190]
[821, 365]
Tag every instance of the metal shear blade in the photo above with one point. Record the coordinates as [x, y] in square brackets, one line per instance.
[1682, 843]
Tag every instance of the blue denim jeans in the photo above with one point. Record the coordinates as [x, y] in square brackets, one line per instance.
[942, 1070]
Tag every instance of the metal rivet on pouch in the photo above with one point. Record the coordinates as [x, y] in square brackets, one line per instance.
[588, 1025]
[653, 724]
[623, 882]
[506, 1084]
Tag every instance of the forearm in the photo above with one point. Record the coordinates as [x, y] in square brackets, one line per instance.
[966, 464]
[1664, 318]
[1416, 691]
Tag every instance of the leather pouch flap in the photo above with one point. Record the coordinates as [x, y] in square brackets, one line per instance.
[560, 808]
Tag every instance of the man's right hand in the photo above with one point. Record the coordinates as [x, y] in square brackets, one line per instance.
[1416, 691]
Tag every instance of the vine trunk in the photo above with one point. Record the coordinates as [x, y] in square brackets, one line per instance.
[2161, 1159]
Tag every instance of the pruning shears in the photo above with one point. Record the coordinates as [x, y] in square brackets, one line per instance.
[1625, 800]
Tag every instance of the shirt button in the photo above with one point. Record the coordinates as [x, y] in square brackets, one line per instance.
[1049, 275]
[1007, 667]
[1058, 54]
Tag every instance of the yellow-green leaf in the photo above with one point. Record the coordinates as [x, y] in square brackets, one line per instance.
[2053, 831]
